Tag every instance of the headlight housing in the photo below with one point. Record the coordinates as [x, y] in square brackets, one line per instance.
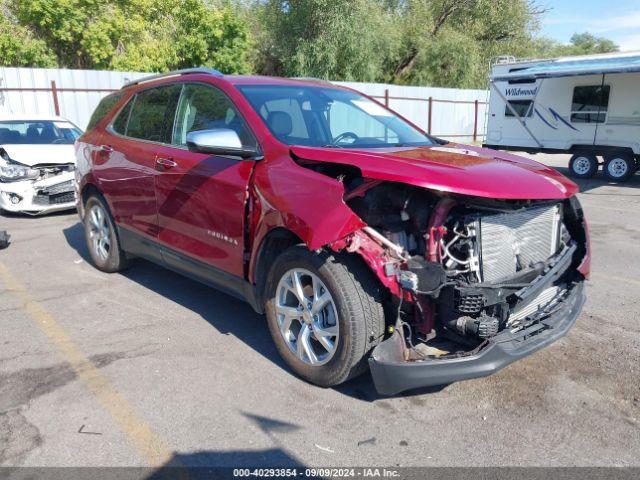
[15, 173]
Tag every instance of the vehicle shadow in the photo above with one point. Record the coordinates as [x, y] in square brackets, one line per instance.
[208, 463]
[223, 312]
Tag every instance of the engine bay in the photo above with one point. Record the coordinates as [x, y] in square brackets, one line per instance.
[470, 267]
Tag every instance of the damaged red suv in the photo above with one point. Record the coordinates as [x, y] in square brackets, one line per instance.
[366, 242]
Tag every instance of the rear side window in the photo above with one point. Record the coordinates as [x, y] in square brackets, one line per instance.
[590, 104]
[152, 112]
[104, 107]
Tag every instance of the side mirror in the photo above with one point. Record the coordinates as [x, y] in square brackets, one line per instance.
[220, 141]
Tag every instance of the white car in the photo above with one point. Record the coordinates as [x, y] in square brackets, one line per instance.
[37, 163]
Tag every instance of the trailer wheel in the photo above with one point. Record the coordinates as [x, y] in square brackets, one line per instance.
[583, 165]
[619, 167]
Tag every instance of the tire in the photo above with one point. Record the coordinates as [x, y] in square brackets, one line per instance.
[583, 165]
[356, 309]
[619, 167]
[103, 243]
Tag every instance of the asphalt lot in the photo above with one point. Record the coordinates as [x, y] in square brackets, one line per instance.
[148, 367]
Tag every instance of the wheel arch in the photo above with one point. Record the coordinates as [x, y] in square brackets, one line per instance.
[85, 192]
[274, 242]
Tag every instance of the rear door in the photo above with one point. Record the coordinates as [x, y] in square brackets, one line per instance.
[126, 162]
[201, 197]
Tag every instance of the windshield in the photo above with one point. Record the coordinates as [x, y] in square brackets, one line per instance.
[39, 132]
[329, 117]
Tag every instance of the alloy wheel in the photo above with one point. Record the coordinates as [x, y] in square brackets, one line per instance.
[99, 232]
[307, 316]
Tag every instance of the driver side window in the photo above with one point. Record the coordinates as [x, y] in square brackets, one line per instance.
[203, 107]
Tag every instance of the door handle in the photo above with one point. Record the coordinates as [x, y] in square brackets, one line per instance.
[163, 164]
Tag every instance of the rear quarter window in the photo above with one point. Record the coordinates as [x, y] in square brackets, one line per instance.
[103, 108]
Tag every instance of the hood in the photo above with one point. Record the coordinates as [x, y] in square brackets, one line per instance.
[33, 155]
[453, 168]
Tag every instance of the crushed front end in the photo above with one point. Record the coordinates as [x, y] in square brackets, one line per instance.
[474, 283]
[36, 190]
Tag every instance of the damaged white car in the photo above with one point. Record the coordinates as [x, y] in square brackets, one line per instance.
[37, 163]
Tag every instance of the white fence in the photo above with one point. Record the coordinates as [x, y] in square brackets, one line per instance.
[73, 94]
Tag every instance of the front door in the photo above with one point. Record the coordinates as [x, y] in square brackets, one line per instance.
[201, 197]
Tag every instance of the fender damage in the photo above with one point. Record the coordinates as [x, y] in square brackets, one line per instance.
[464, 305]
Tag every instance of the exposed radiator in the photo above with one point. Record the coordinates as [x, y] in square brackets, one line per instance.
[510, 242]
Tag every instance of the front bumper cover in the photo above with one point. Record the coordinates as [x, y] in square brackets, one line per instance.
[392, 374]
[34, 195]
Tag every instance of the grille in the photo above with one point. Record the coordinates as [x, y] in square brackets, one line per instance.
[510, 242]
[63, 187]
[55, 199]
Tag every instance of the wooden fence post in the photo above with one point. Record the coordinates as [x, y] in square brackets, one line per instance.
[475, 121]
[54, 92]
[430, 115]
[386, 97]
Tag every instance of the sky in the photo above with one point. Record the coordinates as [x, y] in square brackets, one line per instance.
[618, 20]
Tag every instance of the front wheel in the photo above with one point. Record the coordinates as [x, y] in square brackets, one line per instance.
[325, 314]
[619, 167]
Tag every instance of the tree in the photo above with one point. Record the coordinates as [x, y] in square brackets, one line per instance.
[451, 42]
[332, 39]
[19, 48]
[446, 43]
[147, 35]
[586, 43]
[581, 44]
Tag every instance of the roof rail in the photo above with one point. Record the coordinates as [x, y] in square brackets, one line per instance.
[312, 79]
[174, 73]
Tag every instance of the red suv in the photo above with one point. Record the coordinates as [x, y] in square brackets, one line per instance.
[364, 240]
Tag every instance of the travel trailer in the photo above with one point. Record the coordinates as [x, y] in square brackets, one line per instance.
[588, 106]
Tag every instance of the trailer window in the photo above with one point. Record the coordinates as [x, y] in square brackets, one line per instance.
[590, 104]
[522, 108]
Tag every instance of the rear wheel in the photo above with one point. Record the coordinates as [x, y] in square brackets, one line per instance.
[619, 167]
[324, 313]
[583, 165]
[102, 238]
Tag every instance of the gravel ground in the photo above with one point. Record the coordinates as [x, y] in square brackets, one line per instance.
[148, 367]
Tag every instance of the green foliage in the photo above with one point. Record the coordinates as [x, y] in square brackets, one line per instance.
[581, 44]
[18, 47]
[146, 35]
[332, 39]
[447, 43]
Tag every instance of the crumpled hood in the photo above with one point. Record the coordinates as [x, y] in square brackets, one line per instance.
[32, 155]
[453, 168]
